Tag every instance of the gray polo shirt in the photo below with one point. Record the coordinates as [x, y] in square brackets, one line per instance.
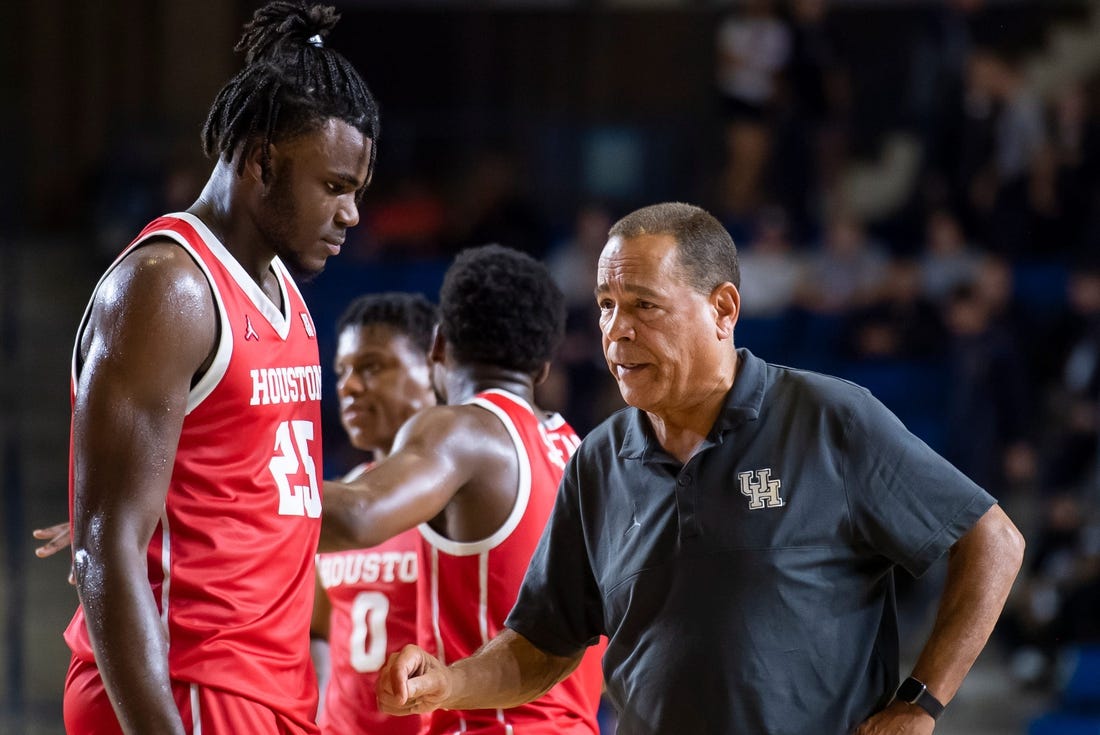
[751, 590]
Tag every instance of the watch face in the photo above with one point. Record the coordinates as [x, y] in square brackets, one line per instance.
[914, 692]
[909, 690]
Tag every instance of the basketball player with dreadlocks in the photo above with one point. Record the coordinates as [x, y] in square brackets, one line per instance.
[195, 503]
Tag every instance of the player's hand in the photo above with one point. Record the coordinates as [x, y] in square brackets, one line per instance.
[412, 682]
[57, 537]
[900, 718]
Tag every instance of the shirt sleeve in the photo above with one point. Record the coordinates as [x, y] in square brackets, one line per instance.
[559, 607]
[907, 502]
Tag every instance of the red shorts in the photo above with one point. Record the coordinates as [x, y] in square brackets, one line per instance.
[204, 711]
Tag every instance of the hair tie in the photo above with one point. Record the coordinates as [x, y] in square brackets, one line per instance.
[316, 40]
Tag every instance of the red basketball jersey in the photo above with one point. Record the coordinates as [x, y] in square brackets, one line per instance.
[468, 589]
[231, 562]
[373, 597]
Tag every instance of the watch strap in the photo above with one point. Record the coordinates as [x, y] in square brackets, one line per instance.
[916, 692]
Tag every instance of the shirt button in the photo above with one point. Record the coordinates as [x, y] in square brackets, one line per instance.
[684, 480]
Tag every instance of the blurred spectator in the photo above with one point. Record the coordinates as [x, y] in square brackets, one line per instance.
[990, 407]
[847, 271]
[938, 62]
[404, 221]
[962, 144]
[138, 181]
[489, 204]
[581, 385]
[572, 262]
[812, 147]
[995, 281]
[900, 323]
[1058, 593]
[1006, 192]
[1075, 449]
[772, 272]
[1066, 177]
[753, 48]
[947, 259]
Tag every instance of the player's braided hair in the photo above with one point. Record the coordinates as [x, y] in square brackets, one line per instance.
[406, 313]
[291, 84]
[500, 307]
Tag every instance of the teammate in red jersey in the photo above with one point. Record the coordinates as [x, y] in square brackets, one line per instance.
[478, 476]
[365, 607]
[195, 503]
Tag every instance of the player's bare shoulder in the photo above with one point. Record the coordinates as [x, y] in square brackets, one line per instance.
[462, 429]
[155, 292]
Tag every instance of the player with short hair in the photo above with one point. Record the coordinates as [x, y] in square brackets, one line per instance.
[365, 606]
[478, 477]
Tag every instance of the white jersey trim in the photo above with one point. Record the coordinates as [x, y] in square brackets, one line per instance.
[196, 711]
[214, 374]
[523, 491]
[166, 571]
[553, 422]
[483, 596]
[441, 654]
[224, 350]
[483, 616]
[278, 318]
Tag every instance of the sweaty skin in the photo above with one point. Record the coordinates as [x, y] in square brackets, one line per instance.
[137, 365]
[452, 466]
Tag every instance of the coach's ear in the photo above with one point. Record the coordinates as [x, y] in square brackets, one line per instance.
[726, 300]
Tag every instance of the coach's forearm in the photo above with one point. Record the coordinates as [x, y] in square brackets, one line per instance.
[980, 573]
[506, 672]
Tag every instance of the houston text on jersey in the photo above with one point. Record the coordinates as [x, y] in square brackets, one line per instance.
[286, 385]
[367, 566]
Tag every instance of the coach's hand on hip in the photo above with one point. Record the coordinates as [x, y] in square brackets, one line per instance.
[900, 718]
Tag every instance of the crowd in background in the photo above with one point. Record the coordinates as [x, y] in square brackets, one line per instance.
[973, 310]
[970, 305]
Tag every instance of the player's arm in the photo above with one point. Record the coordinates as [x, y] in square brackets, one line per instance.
[152, 326]
[434, 455]
[506, 672]
[980, 571]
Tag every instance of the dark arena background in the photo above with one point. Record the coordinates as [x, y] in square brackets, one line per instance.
[913, 185]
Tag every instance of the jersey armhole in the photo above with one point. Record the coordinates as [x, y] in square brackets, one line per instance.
[213, 368]
[519, 507]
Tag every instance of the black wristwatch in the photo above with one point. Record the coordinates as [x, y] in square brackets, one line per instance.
[915, 692]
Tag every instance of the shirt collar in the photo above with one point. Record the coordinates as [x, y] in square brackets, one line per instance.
[742, 404]
[747, 394]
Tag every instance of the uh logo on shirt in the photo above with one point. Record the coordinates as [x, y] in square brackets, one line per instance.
[761, 490]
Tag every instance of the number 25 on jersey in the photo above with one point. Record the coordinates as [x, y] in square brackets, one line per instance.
[291, 457]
